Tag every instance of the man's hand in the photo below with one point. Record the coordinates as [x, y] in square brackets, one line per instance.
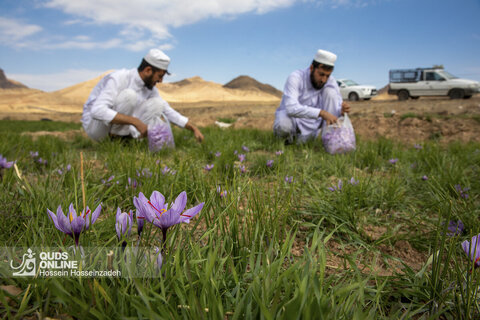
[345, 108]
[198, 135]
[142, 128]
[121, 118]
[327, 116]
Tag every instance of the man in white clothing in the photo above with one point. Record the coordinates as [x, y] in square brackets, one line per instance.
[311, 97]
[124, 101]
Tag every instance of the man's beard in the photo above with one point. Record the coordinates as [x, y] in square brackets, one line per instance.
[149, 82]
[315, 85]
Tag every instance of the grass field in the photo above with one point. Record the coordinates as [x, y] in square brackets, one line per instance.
[286, 241]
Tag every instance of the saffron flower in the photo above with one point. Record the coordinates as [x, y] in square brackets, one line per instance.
[279, 152]
[242, 169]
[288, 179]
[218, 154]
[209, 167]
[472, 249]
[424, 178]
[245, 148]
[4, 163]
[123, 223]
[165, 170]
[74, 225]
[455, 228]
[417, 146]
[393, 161]
[338, 187]
[158, 212]
[241, 157]
[269, 163]
[33, 154]
[353, 182]
[140, 214]
[463, 192]
[131, 183]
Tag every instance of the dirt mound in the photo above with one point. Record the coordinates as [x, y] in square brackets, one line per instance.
[9, 84]
[248, 83]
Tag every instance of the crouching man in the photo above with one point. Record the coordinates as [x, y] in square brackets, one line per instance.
[311, 97]
[124, 102]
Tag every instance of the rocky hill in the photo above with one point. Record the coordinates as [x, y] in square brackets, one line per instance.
[9, 84]
[248, 83]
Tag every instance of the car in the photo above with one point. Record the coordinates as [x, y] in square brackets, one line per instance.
[435, 81]
[352, 91]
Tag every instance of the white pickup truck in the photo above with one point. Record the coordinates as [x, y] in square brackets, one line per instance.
[413, 83]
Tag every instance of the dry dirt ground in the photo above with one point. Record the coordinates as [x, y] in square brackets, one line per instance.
[409, 121]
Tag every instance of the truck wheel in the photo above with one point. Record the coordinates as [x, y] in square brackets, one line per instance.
[415, 98]
[403, 95]
[467, 97]
[352, 96]
[456, 94]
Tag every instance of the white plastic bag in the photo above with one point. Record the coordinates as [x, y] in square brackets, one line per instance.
[159, 134]
[339, 137]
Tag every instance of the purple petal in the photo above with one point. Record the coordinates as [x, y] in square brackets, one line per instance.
[77, 227]
[180, 203]
[96, 213]
[192, 212]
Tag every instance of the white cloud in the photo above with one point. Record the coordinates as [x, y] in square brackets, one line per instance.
[12, 30]
[55, 81]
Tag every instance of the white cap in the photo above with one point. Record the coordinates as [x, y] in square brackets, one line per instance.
[158, 59]
[325, 57]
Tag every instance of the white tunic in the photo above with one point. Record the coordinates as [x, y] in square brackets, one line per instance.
[302, 103]
[100, 104]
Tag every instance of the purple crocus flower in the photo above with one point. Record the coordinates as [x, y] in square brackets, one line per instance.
[472, 249]
[59, 171]
[424, 178]
[165, 170]
[242, 169]
[235, 152]
[131, 183]
[209, 167]
[140, 214]
[123, 223]
[245, 148]
[417, 146]
[241, 157]
[4, 163]
[455, 228]
[353, 182]
[218, 154]
[338, 187]
[463, 192]
[393, 161]
[223, 194]
[73, 225]
[288, 179]
[159, 137]
[157, 211]
[279, 152]
[69, 167]
[33, 154]
[269, 163]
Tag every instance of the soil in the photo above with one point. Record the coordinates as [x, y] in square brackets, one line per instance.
[411, 121]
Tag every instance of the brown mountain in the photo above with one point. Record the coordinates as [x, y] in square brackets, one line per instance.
[248, 83]
[9, 84]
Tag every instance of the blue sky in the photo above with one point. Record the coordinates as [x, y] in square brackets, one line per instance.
[52, 44]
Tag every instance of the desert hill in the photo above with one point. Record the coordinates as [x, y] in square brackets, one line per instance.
[190, 91]
[9, 84]
[248, 83]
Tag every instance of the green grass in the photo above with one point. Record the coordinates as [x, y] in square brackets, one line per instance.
[269, 249]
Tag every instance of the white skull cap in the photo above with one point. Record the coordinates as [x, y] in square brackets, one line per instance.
[325, 57]
[158, 59]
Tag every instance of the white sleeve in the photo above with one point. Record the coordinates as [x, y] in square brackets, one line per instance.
[174, 116]
[102, 108]
[291, 94]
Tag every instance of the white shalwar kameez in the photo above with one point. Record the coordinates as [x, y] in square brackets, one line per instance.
[298, 113]
[125, 92]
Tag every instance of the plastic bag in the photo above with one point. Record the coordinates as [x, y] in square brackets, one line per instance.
[339, 137]
[159, 134]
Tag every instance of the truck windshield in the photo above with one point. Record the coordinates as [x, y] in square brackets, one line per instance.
[350, 83]
[446, 75]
